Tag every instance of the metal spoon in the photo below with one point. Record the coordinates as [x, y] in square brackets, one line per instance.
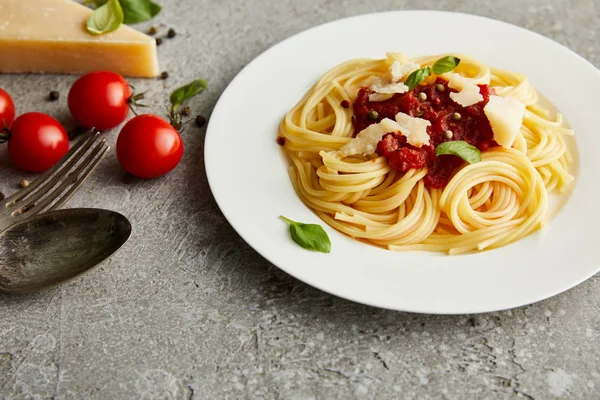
[57, 246]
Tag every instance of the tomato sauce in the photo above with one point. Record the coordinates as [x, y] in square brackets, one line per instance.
[466, 123]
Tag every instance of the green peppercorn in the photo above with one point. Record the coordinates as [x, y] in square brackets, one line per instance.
[456, 116]
[439, 87]
[373, 115]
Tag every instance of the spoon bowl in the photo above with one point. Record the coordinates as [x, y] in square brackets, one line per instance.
[55, 247]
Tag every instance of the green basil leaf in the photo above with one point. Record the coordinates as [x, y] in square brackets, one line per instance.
[139, 10]
[464, 150]
[309, 236]
[445, 64]
[187, 92]
[96, 3]
[106, 18]
[417, 77]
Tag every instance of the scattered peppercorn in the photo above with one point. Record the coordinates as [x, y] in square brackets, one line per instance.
[186, 110]
[280, 140]
[164, 75]
[439, 87]
[448, 134]
[345, 103]
[153, 30]
[24, 183]
[373, 115]
[456, 116]
[200, 121]
[171, 33]
[53, 95]
[158, 41]
[422, 96]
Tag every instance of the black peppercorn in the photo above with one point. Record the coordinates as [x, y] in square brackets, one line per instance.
[200, 121]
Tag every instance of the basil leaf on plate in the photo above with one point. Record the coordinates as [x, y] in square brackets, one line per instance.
[106, 18]
[180, 95]
[464, 150]
[417, 77]
[139, 10]
[309, 236]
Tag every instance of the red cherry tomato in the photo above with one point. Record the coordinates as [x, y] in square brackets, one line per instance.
[99, 100]
[7, 110]
[148, 146]
[37, 141]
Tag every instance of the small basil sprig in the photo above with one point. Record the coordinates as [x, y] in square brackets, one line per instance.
[118, 12]
[309, 236]
[445, 64]
[186, 92]
[106, 18]
[139, 10]
[417, 77]
[179, 97]
[464, 150]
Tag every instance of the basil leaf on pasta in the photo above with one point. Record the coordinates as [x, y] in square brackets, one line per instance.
[445, 64]
[106, 18]
[464, 150]
[309, 236]
[417, 77]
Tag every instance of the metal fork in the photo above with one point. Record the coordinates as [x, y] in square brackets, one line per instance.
[56, 186]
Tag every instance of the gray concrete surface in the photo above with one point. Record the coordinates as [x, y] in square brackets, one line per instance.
[188, 311]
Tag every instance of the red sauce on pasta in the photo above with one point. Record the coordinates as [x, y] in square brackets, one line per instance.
[466, 123]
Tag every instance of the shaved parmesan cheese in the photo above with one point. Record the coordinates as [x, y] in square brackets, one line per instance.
[415, 129]
[391, 88]
[387, 90]
[399, 70]
[469, 92]
[506, 116]
[393, 56]
[365, 142]
[374, 97]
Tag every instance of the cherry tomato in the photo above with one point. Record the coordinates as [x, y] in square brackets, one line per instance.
[37, 141]
[7, 110]
[148, 146]
[99, 100]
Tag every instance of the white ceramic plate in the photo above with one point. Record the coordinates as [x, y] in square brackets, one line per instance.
[248, 173]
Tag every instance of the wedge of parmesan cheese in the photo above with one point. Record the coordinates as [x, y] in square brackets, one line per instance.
[506, 116]
[365, 142]
[389, 89]
[468, 92]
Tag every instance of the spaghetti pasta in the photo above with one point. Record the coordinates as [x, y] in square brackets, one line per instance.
[484, 205]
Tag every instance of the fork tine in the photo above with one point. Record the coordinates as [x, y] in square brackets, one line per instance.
[72, 178]
[71, 158]
[80, 181]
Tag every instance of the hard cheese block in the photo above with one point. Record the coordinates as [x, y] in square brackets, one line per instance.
[50, 36]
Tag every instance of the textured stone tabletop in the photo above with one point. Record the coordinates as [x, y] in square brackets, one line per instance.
[186, 310]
